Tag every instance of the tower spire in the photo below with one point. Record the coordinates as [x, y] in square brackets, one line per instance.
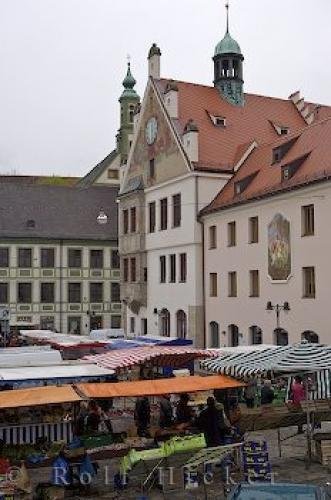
[227, 16]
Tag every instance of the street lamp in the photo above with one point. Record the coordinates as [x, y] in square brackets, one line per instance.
[277, 308]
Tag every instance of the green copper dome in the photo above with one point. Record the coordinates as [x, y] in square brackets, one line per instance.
[227, 46]
[129, 81]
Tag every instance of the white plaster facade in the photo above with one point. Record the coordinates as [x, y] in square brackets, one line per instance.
[196, 191]
[306, 314]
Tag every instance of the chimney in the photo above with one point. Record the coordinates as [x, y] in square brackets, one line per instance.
[171, 99]
[154, 62]
[191, 141]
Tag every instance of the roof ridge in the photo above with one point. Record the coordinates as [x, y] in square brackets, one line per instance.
[163, 79]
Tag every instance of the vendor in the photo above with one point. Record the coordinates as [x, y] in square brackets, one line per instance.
[184, 413]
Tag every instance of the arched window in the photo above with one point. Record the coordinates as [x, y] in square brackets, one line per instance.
[165, 323]
[281, 336]
[131, 113]
[233, 335]
[181, 324]
[256, 335]
[310, 336]
[214, 334]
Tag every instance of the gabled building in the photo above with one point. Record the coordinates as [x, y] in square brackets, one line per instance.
[267, 243]
[189, 140]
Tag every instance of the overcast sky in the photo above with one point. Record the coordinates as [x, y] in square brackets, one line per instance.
[62, 63]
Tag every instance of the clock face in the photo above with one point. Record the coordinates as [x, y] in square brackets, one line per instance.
[151, 130]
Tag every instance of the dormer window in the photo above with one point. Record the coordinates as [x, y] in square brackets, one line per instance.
[279, 152]
[280, 129]
[242, 184]
[218, 121]
[291, 168]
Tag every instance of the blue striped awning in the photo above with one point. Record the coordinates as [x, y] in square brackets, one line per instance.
[302, 357]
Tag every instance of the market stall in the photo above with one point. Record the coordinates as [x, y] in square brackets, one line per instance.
[62, 373]
[71, 346]
[311, 361]
[155, 355]
[42, 412]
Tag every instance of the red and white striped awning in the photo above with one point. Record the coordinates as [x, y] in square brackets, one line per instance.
[174, 356]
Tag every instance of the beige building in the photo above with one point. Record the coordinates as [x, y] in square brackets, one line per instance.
[189, 141]
[59, 264]
[267, 245]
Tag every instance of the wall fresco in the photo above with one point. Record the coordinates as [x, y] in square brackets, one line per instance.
[279, 248]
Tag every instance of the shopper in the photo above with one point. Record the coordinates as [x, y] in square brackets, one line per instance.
[142, 416]
[267, 393]
[298, 394]
[212, 424]
[165, 411]
[250, 393]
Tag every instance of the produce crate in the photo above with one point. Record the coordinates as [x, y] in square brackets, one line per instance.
[323, 451]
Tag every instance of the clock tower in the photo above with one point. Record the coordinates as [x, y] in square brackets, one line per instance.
[128, 102]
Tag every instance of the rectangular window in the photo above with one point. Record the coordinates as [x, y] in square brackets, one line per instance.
[115, 321]
[232, 234]
[254, 283]
[133, 269]
[213, 284]
[308, 220]
[47, 257]
[172, 277]
[132, 324]
[143, 326]
[152, 168]
[176, 210]
[183, 267]
[74, 293]
[74, 257]
[115, 292]
[133, 219]
[4, 257]
[309, 287]
[24, 293]
[47, 292]
[74, 325]
[25, 257]
[163, 269]
[232, 284]
[125, 269]
[115, 259]
[145, 274]
[212, 237]
[125, 221]
[163, 214]
[96, 259]
[253, 230]
[152, 216]
[4, 288]
[96, 292]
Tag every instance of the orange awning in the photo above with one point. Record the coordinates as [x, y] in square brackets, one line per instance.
[37, 396]
[157, 387]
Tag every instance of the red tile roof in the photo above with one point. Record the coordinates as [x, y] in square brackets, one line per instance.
[219, 146]
[313, 144]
